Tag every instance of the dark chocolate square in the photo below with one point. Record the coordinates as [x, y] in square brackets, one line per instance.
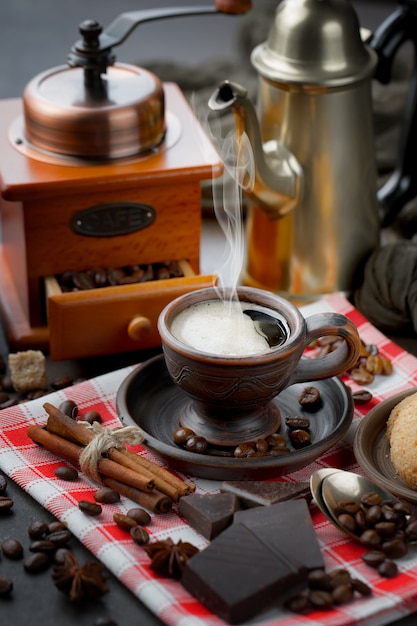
[288, 526]
[209, 514]
[238, 575]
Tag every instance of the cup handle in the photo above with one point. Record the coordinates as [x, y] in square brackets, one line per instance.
[335, 362]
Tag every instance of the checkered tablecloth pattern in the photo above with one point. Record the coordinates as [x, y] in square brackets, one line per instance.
[33, 468]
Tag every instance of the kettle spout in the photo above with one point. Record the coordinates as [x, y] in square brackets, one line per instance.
[276, 183]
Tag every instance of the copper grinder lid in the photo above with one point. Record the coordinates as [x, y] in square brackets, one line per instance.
[95, 109]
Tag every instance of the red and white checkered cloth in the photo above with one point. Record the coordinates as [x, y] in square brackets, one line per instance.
[32, 468]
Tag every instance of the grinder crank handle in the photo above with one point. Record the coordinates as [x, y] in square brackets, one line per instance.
[336, 362]
[401, 187]
[94, 51]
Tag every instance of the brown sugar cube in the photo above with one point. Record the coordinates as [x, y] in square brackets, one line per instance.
[28, 370]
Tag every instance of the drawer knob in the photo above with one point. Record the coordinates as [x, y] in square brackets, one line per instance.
[139, 327]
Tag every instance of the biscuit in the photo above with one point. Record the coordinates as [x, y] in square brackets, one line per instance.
[402, 436]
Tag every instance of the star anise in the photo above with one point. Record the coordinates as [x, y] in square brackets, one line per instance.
[80, 581]
[169, 558]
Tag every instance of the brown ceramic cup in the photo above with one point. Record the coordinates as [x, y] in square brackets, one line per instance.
[230, 396]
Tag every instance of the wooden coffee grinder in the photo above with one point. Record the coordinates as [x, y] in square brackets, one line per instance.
[100, 166]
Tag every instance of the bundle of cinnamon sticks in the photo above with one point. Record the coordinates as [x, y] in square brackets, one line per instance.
[128, 473]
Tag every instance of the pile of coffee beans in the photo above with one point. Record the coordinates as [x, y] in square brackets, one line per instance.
[370, 362]
[327, 590]
[275, 444]
[98, 277]
[386, 528]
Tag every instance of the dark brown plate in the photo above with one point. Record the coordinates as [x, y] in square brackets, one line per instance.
[372, 449]
[149, 398]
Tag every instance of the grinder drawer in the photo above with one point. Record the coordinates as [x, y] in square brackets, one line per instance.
[112, 320]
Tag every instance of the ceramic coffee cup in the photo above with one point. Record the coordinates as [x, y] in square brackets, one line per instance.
[230, 396]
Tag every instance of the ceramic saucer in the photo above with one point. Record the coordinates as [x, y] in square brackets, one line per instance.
[149, 398]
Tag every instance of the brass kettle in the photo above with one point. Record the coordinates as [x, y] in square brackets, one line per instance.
[315, 213]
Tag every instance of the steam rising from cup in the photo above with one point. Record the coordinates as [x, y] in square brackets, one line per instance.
[238, 175]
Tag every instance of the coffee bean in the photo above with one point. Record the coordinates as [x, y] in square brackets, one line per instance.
[370, 538]
[91, 417]
[297, 422]
[275, 440]
[60, 555]
[411, 530]
[373, 514]
[182, 434]
[261, 446]
[321, 599]
[42, 545]
[386, 529]
[361, 376]
[90, 508]
[124, 521]
[6, 503]
[388, 569]
[342, 594]
[360, 519]
[83, 281]
[3, 485]
[105, 495]
[60, 537]
[12, 549]
[339, 577]
[374, 558]
[37, 529]
[348, 522]
[349, 506]
[6, 587]
[65, 472]
[56, 526]
[371, 498]
[70, 408]
[196, 444]
[394, 549]
[61, 383]
[37, 562]
[299, 604]
[310, 398]
[244, 450]
[300, 438]
[362, 396]
[361, 587]
[403, 508]
[319, 579]
[140, 516]
[139, 535]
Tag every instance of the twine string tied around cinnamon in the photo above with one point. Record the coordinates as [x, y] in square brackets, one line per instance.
[104, 439]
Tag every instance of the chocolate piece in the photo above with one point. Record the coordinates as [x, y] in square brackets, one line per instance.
[209, 514]
[288, 526]
[239, 574]
[255, 493]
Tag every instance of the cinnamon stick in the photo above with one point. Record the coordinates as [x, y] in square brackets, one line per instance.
[62, 425]
[71, 452]
[182, 486]
[154, 501]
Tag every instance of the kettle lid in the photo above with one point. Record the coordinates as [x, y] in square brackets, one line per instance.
[317, 42]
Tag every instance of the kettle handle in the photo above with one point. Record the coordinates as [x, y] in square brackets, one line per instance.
[401, 187]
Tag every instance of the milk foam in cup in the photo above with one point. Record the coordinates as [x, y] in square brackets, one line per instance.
[223, 328]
